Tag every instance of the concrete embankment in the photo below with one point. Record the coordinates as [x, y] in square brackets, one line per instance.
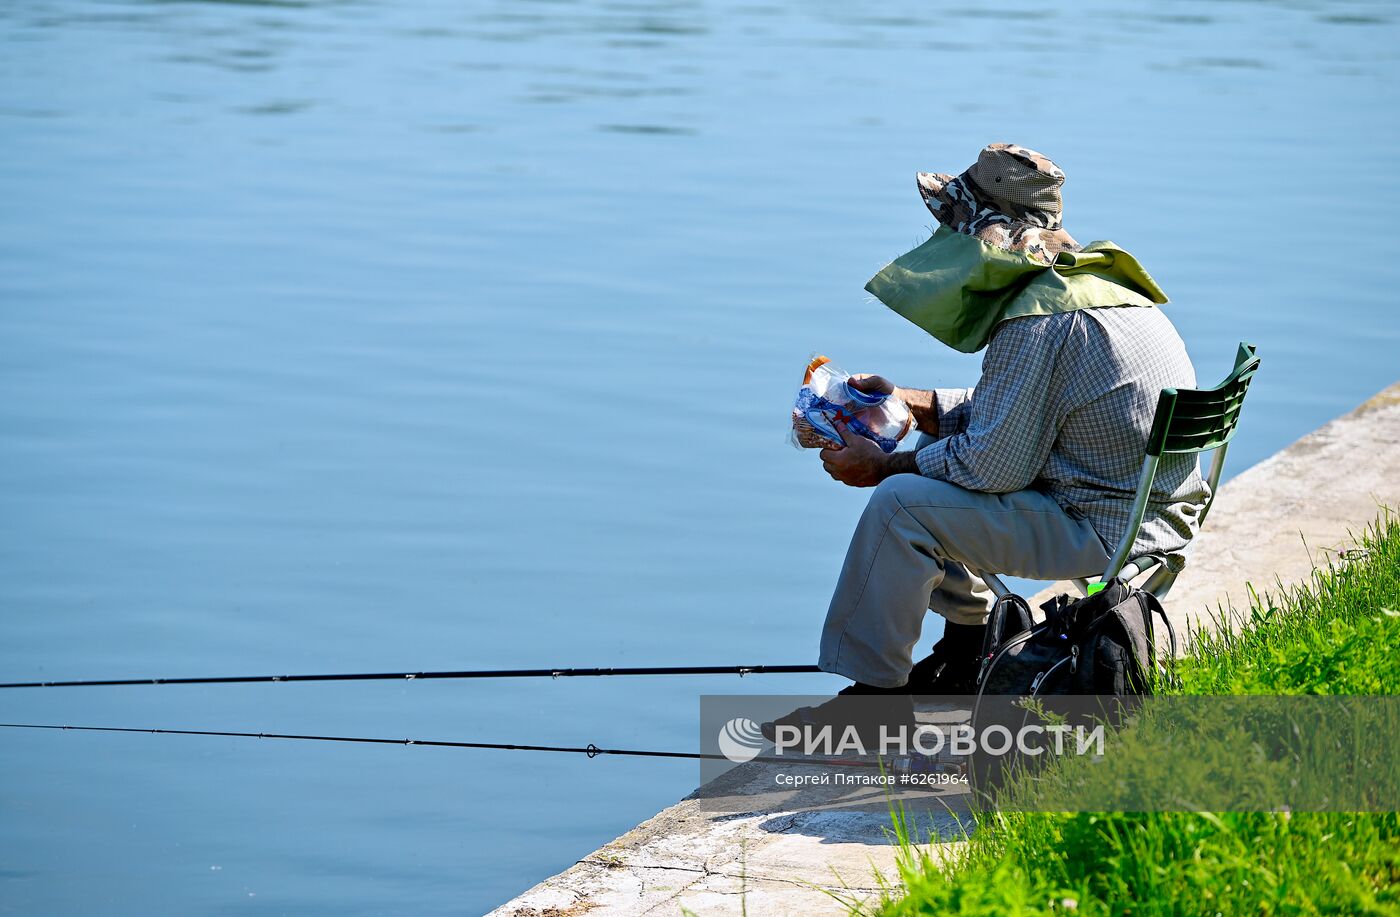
[1270, 524]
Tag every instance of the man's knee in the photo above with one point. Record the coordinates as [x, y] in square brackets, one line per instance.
[886, 502]
[906, 505]
[904, 491]
[897, 490]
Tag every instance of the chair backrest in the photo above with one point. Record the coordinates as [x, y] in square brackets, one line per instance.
[1195, 420]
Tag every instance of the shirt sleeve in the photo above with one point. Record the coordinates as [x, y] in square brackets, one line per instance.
[953, 405]
[1011, 418]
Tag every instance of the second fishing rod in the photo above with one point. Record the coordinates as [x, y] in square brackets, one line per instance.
[562, 672]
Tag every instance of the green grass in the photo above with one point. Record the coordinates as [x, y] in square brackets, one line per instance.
[1339, 634]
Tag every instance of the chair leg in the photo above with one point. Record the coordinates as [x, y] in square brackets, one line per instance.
[994, 583]
[1160, 583]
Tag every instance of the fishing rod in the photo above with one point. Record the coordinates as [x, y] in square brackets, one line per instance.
[740, 670]
[590, 750]
[902, 764]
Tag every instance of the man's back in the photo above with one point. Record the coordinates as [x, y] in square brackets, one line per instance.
[1064, 405]
[1117, 367]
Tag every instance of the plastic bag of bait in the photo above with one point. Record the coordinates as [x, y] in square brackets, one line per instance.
[827, 396]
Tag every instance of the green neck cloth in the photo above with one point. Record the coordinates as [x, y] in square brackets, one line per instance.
[958, 288]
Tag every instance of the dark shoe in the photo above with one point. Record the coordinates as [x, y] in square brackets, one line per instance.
[952, 666]
[865, 707]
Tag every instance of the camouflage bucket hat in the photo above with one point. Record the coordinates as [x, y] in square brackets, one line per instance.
[1009, 198]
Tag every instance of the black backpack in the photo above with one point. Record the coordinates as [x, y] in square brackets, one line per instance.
[1099, 645]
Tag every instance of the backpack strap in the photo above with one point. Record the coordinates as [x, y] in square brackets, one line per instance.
[1152, 605]
[1009, 616]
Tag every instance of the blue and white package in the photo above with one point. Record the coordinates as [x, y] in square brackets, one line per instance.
[827, 396]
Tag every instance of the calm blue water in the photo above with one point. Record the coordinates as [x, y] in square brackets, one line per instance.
[377, 335]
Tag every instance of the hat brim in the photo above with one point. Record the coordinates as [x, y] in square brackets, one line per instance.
[933, 188]
[954, 202]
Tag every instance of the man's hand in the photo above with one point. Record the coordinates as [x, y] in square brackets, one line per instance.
[872, 385]
[860, 463]
[922, 404]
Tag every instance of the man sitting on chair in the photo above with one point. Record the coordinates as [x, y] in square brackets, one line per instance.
[1030, 473]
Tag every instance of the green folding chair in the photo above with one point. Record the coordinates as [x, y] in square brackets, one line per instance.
[1187, 421]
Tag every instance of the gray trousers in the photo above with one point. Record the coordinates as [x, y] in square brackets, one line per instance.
[911, 552]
